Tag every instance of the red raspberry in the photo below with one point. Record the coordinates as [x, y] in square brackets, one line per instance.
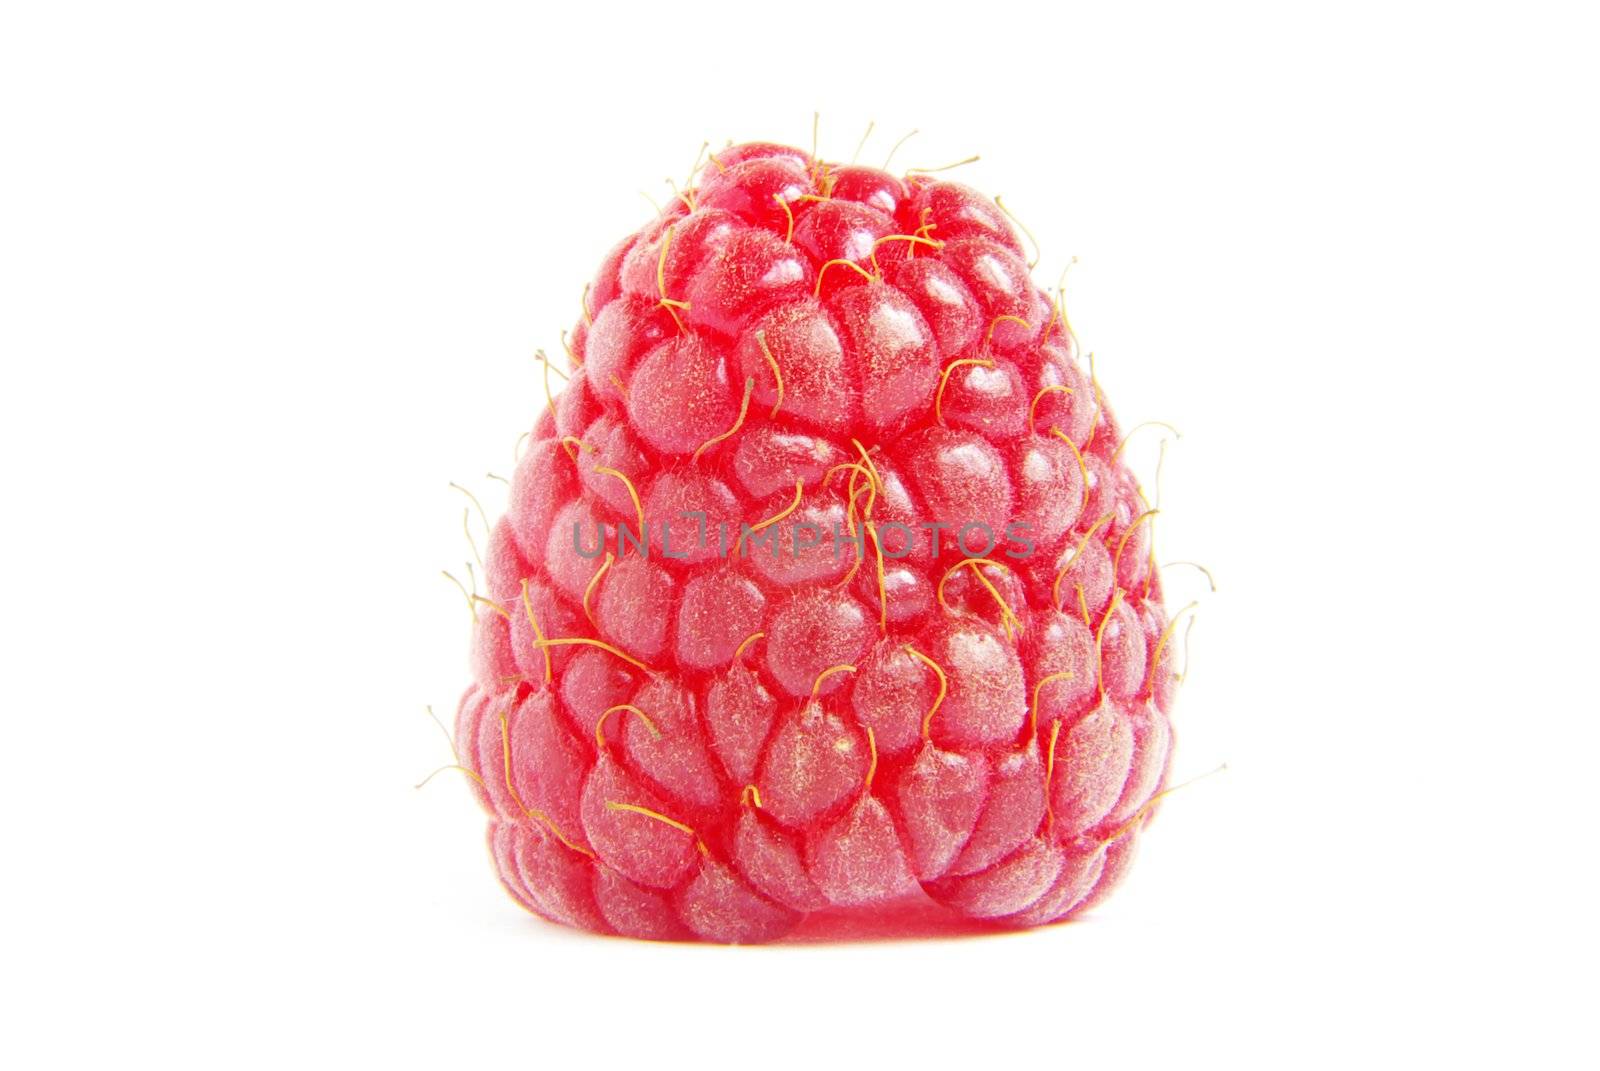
[796, 691]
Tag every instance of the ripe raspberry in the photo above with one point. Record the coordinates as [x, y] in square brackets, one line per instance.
[795, 690]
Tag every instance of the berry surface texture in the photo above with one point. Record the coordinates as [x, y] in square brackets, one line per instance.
[823, 592]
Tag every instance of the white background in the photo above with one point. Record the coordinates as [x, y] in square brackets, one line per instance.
[271, 275]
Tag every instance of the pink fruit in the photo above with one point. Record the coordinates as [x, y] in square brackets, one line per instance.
[893, 630]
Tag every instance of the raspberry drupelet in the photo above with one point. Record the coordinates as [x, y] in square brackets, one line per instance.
[822, 586]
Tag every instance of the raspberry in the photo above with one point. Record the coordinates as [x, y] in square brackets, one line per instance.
[822, 586]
